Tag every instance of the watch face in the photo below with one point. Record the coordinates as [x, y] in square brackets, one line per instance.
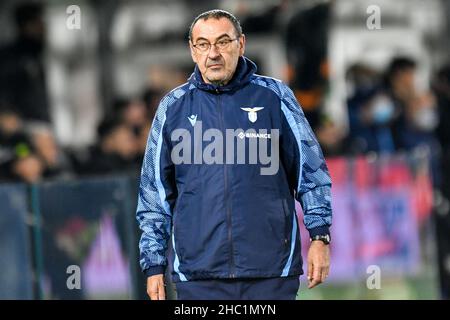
[324, 238]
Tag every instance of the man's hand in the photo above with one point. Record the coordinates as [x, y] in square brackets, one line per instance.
[318, 263]
[156, 287]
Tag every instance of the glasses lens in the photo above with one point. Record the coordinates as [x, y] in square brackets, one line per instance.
[223, 44]
[204, 46]
[220, 45]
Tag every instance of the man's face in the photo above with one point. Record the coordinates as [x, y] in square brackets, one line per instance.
[216, 65]
[404, 81]
[124, 142]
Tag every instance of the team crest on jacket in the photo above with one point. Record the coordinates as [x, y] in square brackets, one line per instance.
[252, 115]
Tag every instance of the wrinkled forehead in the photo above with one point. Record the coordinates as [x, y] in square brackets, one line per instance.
[212, 29]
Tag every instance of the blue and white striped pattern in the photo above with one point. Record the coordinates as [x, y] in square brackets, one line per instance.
[314, 183]
[153, 211]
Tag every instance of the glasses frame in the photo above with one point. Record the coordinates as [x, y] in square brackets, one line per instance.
[195, 46]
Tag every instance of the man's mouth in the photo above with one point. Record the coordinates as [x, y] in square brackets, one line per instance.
[215, 66]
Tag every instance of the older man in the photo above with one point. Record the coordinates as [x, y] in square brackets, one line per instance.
[228, 220]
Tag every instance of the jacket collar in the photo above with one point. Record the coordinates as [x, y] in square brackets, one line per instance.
[245, 70]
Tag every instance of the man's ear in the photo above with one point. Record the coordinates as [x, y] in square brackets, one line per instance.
[242, 45]
[191, 48]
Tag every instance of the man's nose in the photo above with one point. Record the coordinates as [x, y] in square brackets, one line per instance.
[213, 52]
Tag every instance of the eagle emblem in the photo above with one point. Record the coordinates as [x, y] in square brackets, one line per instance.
[252, 113]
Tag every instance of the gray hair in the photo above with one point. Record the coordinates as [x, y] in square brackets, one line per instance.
[217, 14]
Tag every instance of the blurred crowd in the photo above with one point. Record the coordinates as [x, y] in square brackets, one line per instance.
[387, 112]
[29, 150]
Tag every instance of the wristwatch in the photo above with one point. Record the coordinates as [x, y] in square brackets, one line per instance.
[325, 238]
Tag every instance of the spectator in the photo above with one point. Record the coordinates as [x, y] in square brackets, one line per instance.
[28, 169]
[56, 162]
[420, 121]
[115, 152]
[307, 46]
[133, 113]
[372, 113]
[151, 98]
[161, 79]
[261, 22]
[418, 117]
[10, 122]
[362, 82]
[399, 80]
[11, 129]
[18, 159]
[22, 73]
[332, 138]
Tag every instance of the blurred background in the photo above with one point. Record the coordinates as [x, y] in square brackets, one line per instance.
[79, 85]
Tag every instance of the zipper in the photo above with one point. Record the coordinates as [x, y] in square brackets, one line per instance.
[227, 194]
[286, 221]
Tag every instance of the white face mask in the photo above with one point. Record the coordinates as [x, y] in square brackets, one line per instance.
[382, 110]
[426, 119]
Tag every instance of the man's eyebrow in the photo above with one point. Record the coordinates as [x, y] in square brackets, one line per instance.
[222, 36]
[219, 37]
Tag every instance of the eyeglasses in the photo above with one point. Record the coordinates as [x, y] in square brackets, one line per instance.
[221, 45]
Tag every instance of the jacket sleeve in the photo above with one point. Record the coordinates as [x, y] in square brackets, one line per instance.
[305, 165]
[156, 195]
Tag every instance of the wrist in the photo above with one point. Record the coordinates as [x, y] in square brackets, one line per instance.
[151, 271]
[324, 238]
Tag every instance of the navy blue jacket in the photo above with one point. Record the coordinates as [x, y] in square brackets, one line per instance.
[224, 219]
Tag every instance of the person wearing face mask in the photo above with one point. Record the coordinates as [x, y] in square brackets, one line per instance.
[382, 112]
[423, 113]
[372, 112]
[418, 131]
[400, 117]
[417, 120]
[373, 128]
